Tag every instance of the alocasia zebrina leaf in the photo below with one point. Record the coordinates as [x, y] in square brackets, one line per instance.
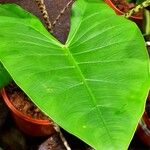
[95, 85]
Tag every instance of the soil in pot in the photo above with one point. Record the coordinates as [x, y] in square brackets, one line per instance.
[27, 117]
[22, 102]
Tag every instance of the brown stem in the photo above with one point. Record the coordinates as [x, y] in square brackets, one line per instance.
[44, 12]
[136, 9]
[62, 12]
[56, 127]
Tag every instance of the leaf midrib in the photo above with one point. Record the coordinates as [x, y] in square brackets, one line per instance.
[99, 114]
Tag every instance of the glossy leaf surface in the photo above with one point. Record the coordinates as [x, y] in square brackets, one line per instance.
[95, 85]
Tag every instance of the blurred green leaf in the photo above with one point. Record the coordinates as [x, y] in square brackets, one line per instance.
[4, 76]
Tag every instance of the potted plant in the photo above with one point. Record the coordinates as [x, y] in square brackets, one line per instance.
[27, 117]
[95, 85]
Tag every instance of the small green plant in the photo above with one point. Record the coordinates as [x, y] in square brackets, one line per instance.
[95, 85]
[4, 76]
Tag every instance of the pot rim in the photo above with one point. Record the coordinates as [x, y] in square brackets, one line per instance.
[119, 11]
[19, 113]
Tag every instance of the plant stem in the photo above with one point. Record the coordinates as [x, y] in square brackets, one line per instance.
[44, 12]
[57, 128]
[147, 22]
[62, 12]
[137, 8]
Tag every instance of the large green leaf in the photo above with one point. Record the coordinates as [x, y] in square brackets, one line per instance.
[95, 85]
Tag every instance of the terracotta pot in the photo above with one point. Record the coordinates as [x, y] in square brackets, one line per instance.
[28, 125]
[136, 19]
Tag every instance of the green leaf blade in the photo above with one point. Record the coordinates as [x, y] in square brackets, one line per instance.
[95, 85]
